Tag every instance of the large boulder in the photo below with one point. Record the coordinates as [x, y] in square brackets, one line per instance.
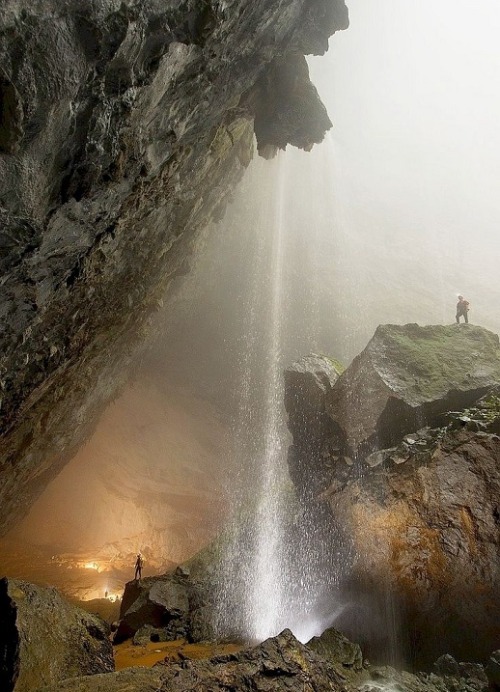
[344, 655]
[409, 376]
[44, 639]
[416, 509]
[173, 606]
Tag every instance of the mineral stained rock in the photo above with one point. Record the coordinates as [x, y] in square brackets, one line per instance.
[422, 516]
[407, 377]
[124, 126]
[44, 639]
[278, 664]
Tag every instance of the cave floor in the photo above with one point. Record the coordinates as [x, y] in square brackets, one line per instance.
[129, 655]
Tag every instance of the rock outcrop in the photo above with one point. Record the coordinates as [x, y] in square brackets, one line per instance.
[168, 607]
[43, 639]
[419, 505]
[282, 663]
[408, 377]
[123, 128]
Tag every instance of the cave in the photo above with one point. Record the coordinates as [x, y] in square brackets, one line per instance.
[232, 238]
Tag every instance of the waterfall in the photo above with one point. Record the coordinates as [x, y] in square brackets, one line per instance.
[270, 574]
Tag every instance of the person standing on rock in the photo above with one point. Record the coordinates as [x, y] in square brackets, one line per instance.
[462, 309]
[138, 567]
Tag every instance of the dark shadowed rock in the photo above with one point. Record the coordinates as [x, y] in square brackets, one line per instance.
[128, 680]
[44, 639]
[407, 377]
[492, 670]
[171, 606]
[345, 656]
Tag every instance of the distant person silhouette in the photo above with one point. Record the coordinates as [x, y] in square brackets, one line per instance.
[138, 567]
[462, 310]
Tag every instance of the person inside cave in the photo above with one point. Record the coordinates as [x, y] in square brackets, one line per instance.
[138, 567]
[462, 310]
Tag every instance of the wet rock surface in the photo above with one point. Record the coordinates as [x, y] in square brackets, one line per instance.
[408, 377]
[344, 655]
[123, 128]
[44, 639]
[330, 662]
[421, 516]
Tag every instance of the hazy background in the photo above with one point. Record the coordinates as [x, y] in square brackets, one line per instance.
[387, 221]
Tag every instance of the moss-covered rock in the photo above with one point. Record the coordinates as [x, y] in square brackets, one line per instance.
[408, 377]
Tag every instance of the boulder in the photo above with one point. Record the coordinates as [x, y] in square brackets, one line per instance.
[416, 508]
[308, 383]
[408, 377]
[171, 606]
[345, 656]
[44, 639]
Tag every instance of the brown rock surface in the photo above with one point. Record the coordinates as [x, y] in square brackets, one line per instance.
[428, 531]
[43, 639]
[421, 519]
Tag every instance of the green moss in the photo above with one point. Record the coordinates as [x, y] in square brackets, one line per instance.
[436, 357]
[335, 363]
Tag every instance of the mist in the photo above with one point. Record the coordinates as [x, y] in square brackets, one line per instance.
[391, 217]
[385, 222]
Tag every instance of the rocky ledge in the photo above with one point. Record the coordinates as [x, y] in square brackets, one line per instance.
[416, 491]
[124, 125]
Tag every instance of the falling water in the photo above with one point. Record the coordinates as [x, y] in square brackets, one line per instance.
[270, 575]
[267, 590]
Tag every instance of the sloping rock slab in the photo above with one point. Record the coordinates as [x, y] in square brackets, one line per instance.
[44, 639]
[407, 377]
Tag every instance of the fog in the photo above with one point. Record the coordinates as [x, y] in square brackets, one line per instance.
[386, 221]
[412, 90]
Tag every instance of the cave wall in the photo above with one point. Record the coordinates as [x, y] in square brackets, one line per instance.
[123, 128]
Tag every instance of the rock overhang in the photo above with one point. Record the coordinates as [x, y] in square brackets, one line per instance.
[123, 131]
